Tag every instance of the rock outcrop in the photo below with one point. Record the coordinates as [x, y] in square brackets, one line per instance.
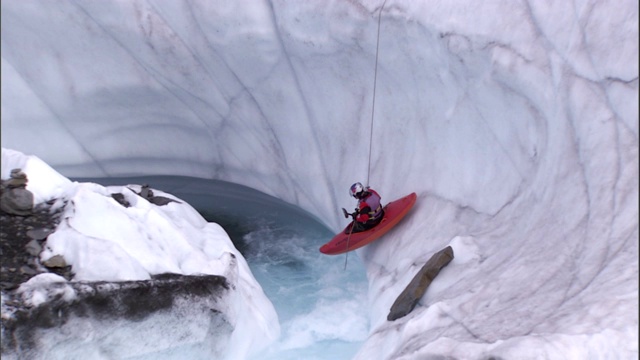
[408, 299]
[22, 238]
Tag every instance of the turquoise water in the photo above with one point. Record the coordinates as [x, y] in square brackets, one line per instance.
[321, 305]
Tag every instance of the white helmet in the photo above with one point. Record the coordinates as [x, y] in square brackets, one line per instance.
[356, 190]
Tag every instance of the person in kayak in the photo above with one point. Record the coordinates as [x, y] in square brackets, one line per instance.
[369, 211]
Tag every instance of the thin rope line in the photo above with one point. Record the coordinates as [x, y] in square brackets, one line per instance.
[373, 105]
[373, 108]
[348, 238]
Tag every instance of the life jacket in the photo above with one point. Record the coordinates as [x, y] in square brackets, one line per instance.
[373, 202]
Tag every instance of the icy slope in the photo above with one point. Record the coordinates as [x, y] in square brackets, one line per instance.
[515, 122]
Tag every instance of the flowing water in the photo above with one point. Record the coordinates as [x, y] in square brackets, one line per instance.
[320, 304]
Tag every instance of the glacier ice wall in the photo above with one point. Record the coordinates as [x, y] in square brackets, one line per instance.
[515, 122]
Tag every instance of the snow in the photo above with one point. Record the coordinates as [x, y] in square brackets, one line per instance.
[104, 241]
[33, 294]
[516, 123]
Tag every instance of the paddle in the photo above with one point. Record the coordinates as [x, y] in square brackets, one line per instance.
[346, 214]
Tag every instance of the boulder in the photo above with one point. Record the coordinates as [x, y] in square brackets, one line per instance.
[39, 233]
[147, 194]
[56, 261]
[119, 197]
[15, 198]
[408, 299]
[33, 248]
[28, 270]
[17, 202]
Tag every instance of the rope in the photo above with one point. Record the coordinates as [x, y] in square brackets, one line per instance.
[348, 238]
[373, 107]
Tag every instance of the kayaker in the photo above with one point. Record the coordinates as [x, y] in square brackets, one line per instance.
[369, 211]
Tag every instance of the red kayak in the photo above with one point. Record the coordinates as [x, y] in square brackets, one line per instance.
[393, 213]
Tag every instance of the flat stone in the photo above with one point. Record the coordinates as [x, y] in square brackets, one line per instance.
[27, 270]
[161, 200]
[33, 248]
[39, 234]
[409, 298]
[56, 261]
[7, 285]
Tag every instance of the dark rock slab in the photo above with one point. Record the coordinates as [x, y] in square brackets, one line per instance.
[408, 299]
[161, 200]
[147, 193]
[39, 234]
[119, 197]
[33, 248]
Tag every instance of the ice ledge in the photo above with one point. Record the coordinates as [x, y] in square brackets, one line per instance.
[118, 319]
